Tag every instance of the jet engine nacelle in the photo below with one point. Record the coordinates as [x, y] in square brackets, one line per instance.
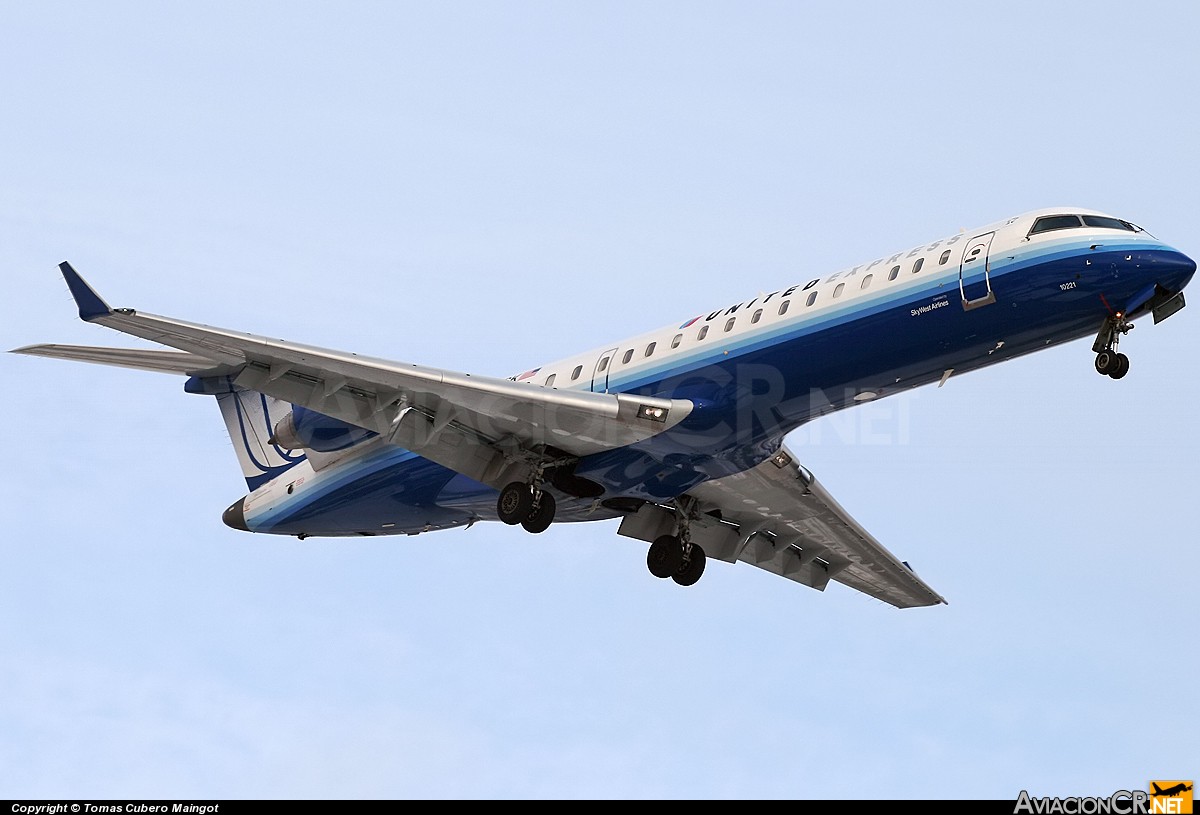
[304, 429]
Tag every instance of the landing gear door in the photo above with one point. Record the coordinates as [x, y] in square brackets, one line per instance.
[974, 274]
[600, 373]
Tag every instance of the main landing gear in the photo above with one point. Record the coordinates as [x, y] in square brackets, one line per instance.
[1108, 361]
[675, 556]
[527, 502]
[527, 505]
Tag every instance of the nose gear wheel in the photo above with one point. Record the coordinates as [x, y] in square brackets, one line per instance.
[1109, 362]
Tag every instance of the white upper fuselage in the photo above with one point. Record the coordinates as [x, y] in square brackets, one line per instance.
[805, 301]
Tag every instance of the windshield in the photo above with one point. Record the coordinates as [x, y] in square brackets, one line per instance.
[1050, 223]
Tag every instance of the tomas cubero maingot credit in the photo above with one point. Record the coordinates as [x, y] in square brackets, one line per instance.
[106, 809]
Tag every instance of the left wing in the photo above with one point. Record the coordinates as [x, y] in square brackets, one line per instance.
[776, 516]
[169, 362]
[486, 428]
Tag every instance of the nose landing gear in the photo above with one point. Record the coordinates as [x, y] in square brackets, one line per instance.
[1109, 362]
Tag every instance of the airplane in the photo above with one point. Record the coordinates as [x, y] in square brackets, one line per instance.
[679, 433]
[1170, 791]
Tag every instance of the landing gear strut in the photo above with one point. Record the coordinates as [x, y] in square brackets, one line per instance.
[1108, 361]
[674, 556]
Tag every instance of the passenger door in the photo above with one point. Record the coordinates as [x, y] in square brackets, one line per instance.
[600, 373]
[974, 276]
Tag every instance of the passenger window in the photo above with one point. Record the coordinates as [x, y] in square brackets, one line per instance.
[757, 316]
[703, 332]
[678, 339]
[628, 356]
[917, 266]
[838, 291]
[812, 298]
[783, 307]
[550, 380]
[650, 348]
[866, 281]
[603, 364]
[892, 274]
[729, 323]
[945, 257]
[575, 373]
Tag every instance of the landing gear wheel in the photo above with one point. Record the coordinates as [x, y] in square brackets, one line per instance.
[665, 556]
[691, 568]
[515, 504]
[1107, 361]
[541, 516]
[1120, 368]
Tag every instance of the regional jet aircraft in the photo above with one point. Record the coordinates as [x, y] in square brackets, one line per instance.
[677, 433]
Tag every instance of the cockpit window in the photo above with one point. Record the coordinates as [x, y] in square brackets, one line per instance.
[1049, 223]
[1107, 223]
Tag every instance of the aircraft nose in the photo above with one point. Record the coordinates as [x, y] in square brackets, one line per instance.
[1184, 264]
[1173, 269]
[235, 516]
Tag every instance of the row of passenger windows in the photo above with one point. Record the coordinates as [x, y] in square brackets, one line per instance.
[754, 318]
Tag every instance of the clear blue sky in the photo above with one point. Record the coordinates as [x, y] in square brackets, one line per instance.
[489, 186]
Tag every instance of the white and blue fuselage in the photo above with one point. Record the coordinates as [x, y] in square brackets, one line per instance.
[760, 368]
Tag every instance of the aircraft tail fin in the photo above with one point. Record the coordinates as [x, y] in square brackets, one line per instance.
[250, 419]
[1157, 788]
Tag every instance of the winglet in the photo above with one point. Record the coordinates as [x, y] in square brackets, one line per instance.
[90, 304]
